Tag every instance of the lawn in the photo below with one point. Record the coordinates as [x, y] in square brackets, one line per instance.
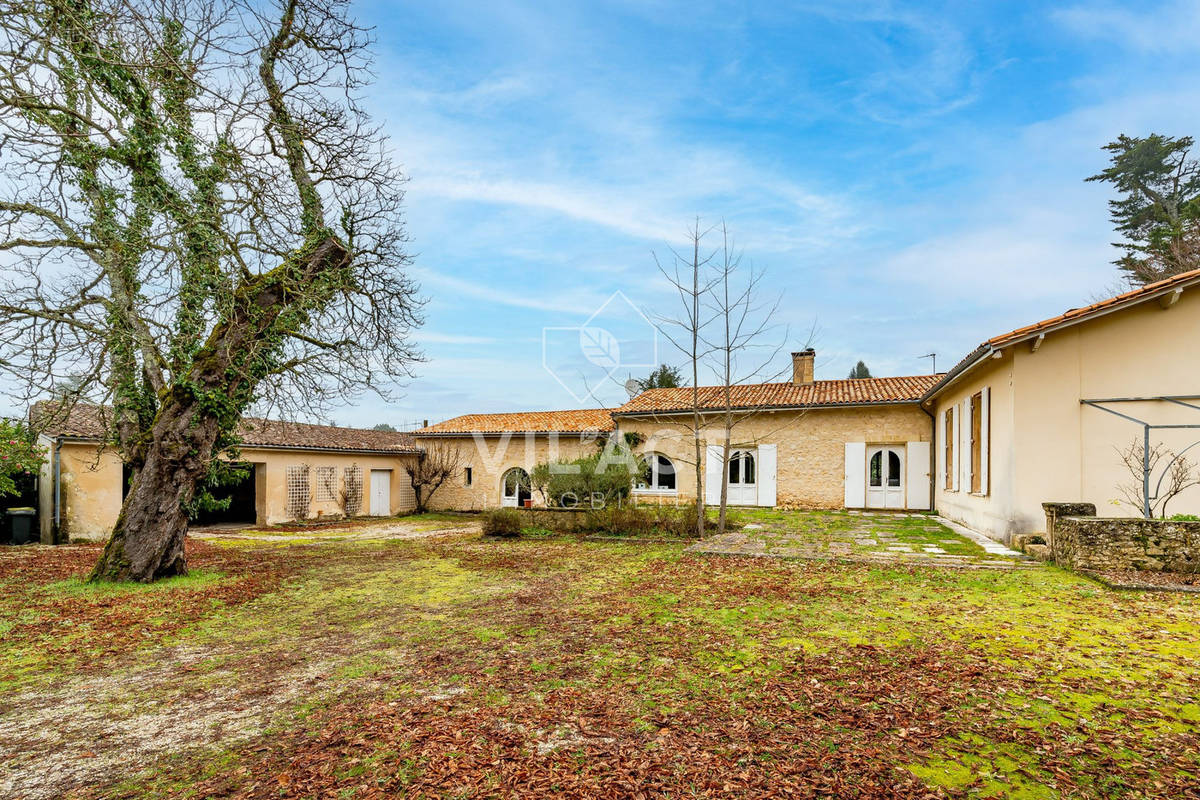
[459, 667]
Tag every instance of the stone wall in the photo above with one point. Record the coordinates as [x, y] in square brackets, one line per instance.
[811, 455]
[489, 457]
[1087, 542]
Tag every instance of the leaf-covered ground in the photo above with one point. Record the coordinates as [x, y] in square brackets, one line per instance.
[458, 667]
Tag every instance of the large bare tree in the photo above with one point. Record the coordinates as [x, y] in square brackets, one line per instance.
[196, 217]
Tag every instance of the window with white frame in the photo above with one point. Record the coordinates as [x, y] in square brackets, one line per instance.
[658, 475]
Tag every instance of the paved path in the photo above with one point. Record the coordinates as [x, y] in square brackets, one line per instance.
[360, 531]
[876, 538]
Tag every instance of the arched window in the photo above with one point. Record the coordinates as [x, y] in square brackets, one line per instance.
[741, 468]
[659, 474]
[877, 469]
[514, 487]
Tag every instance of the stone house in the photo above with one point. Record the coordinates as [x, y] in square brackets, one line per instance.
[294, 471]
[804, 443]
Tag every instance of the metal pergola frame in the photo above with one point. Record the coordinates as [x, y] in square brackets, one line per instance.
[1147, 427]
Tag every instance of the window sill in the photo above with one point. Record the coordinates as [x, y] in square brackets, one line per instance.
[657, 492]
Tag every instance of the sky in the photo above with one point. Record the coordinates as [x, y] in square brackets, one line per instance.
[908, 178]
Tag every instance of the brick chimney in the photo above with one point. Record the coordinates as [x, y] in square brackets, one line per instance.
[802, 366]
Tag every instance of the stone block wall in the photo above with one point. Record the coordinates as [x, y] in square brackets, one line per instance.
[1088, 542]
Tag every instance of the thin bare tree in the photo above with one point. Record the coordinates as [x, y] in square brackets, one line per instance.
[745, 342]
[687, 275]
[1176, 475]
[199, 218]
[438, 464]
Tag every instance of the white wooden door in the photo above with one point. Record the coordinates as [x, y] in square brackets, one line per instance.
[885, 477]
[381, 492]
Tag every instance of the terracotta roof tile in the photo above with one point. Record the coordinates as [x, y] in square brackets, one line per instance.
[582, 420]
[1069, 317]
[847, 392]
[1140, 294]
[90, 422]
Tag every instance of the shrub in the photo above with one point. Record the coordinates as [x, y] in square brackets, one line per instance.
[571, 484]
[644, 521]
[1185, 518]
[20, 456]
[502, 522]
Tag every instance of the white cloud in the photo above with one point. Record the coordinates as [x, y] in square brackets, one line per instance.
[433, 337]
[1172, 27]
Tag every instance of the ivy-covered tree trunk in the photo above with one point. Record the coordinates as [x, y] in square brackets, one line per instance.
[147, 540]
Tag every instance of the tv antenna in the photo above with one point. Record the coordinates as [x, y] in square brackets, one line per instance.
[934, 357]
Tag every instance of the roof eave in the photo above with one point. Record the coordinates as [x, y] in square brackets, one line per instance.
[787, 407]
[432, 434]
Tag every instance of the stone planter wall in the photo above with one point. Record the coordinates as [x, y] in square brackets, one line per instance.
[1083, 541]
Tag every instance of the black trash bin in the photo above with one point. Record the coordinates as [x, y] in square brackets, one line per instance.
[20, 522]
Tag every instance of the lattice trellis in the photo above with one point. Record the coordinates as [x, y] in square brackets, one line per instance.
[354, 490]
[299, 491]
[326, 484]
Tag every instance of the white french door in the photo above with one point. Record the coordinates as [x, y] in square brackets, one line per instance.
[514, 488]
[743, 478]
[885, 477]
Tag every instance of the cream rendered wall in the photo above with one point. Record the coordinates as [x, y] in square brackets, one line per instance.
[1052, 448]
[91, 491]
[992, 512]
[271, 466]
[811, 466]
[491, 456]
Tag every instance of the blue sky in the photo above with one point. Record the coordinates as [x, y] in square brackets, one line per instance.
[910, 177]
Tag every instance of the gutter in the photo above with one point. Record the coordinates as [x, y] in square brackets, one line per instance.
[56, 528]
[277, 447]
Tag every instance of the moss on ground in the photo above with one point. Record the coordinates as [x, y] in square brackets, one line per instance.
[987, 684]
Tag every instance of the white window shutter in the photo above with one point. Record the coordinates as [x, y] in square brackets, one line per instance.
[939, 437]
[856, 474]
[918, 475]
[985, 438]
[957, 447]
[767, 460]
[713, 469]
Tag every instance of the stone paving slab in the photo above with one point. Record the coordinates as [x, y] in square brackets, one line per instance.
[863, 538]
